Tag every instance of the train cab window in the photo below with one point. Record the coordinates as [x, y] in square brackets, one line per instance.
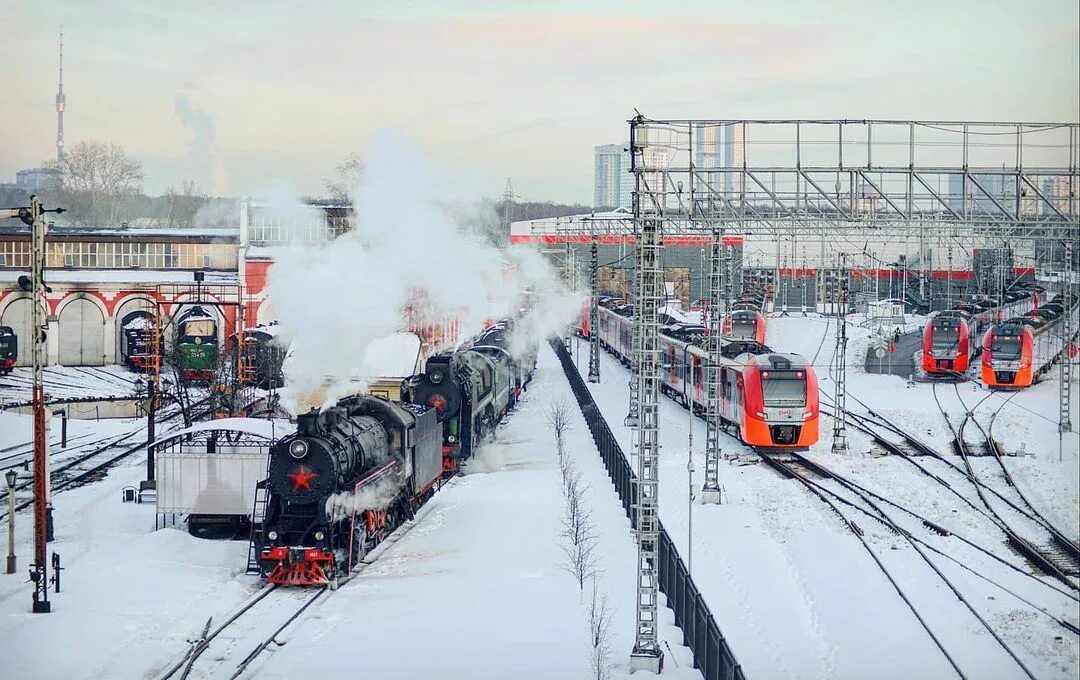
[783, 388]
[697, 371]
[945, 337]
[1006, 347]
[201, 328]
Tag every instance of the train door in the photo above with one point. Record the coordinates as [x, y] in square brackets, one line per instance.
[17, 315]
[82, 334]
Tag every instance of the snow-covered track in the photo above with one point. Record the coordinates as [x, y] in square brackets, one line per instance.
[1045, 552]
[796, 465]
[86, 466]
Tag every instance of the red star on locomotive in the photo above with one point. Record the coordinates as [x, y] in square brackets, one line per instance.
[302, 478]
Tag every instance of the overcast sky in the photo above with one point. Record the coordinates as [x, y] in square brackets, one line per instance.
[246, 95]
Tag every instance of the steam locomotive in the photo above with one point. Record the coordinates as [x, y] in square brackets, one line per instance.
[353, 473]
[346, 479]
[471, 389]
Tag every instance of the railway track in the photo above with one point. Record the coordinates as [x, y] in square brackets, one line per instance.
[1052, 552]
[812, 475]
[90, 465]
[273, 618]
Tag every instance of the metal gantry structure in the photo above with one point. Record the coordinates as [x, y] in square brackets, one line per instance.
[646, 653]
[839, 442]
[1065, 364]
[710, 490]
[848, 185]
[594, 313]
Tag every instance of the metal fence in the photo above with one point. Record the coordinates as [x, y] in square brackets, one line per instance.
[700, 633]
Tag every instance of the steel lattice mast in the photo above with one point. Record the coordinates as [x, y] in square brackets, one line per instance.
[839, 444]
[39, 573]
[710, 490]
[1065, 365]
[646, 653]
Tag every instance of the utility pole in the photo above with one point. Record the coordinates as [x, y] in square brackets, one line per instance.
[32, 217]
[646, 654]
[839, 444]
[710, 490]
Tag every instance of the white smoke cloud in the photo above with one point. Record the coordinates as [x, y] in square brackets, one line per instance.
[204, 155]
[374, 496]
[333, 300]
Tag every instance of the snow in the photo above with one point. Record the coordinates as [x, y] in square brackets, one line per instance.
[791, 587]
[64, 383]
[478, 588]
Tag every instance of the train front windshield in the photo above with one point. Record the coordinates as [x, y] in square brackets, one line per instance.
[202, 328]
[743, 328]
[783, 388]
[1005, 347]
[945, 338]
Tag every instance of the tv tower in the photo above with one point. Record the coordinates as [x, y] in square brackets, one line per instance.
[60, 99]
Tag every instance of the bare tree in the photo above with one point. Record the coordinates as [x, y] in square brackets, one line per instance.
[348, 175]
[97, 177]
[578, 532]
[600, 615]
[558, 419]
[183, 205]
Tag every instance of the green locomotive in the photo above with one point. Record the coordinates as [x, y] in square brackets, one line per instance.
[196, 345]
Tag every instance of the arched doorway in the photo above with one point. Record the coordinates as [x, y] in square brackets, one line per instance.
[128, 313]
[82, 334]
[17, 315]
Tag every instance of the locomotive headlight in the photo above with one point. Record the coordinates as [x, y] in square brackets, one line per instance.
[435, 377]
[272, 535]
[298, 449]
[319, 535]
[451, 438]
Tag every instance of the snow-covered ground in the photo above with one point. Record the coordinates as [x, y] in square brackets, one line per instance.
[477, 588]
[68, 382]
[795, 592]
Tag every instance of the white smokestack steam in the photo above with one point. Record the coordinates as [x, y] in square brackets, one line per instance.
[332, 300]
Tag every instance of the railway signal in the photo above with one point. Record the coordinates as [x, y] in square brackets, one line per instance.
[32, 217]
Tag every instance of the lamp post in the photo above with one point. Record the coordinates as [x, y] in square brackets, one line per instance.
[12, 477]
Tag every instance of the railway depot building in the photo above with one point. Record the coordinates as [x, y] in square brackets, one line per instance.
[100, 279]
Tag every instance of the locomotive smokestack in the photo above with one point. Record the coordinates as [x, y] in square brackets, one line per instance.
[308, 423]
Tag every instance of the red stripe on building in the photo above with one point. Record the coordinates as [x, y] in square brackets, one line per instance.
[619, 239]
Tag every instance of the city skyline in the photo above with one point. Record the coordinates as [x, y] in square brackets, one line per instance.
[265, 99]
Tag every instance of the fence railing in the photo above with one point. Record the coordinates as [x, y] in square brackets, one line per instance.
[712, 656]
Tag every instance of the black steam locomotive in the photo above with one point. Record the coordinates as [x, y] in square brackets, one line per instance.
[347, 478]
[471, 389]
[351, 474]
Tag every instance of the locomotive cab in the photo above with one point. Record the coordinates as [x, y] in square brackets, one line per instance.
[946, 343]
[781, 403]
[1007, 356]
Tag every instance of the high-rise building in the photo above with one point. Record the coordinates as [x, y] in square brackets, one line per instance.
[734, 157]
[613, 185]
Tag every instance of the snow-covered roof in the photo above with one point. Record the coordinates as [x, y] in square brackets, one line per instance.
[258, 427]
